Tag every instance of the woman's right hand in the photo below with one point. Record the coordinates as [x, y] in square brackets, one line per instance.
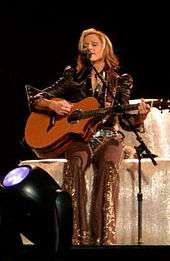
[61, 107]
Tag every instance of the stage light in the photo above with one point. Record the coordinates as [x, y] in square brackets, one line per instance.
[15, 176]
[38, 208]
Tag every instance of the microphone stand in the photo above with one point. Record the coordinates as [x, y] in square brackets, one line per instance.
[139, 150]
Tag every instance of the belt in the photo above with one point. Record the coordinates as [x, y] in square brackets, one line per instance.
[105, 133]
[101, 136]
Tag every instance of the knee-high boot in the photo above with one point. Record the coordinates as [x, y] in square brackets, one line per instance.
[104, 205]
[74, 183]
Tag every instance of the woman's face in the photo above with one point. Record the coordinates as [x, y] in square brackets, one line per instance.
[93, 44]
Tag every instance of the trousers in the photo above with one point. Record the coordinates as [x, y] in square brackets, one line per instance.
[106, 160]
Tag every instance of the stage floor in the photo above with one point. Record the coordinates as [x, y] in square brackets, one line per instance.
[31, 253]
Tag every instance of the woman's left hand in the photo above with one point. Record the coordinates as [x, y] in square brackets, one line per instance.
[143, 110]
[107, 104]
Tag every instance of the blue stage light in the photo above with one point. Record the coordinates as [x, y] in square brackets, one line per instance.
[15, 176]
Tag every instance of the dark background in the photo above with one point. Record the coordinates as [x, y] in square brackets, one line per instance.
[38, 39]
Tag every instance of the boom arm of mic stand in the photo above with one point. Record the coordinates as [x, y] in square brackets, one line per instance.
[142, 147]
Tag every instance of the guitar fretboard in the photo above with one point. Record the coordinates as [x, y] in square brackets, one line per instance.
[95, 113]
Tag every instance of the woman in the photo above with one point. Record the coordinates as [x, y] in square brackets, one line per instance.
[95, 75]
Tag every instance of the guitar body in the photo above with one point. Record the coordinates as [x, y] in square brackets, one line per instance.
[45, 137]
[49, 135]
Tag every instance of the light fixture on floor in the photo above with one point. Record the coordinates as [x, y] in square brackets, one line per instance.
[35, 205]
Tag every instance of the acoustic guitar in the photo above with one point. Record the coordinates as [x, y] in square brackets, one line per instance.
[48, 132]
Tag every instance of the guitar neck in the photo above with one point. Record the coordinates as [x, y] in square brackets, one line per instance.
[96, 113]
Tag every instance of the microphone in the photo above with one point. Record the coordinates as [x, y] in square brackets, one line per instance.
[85, 54]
